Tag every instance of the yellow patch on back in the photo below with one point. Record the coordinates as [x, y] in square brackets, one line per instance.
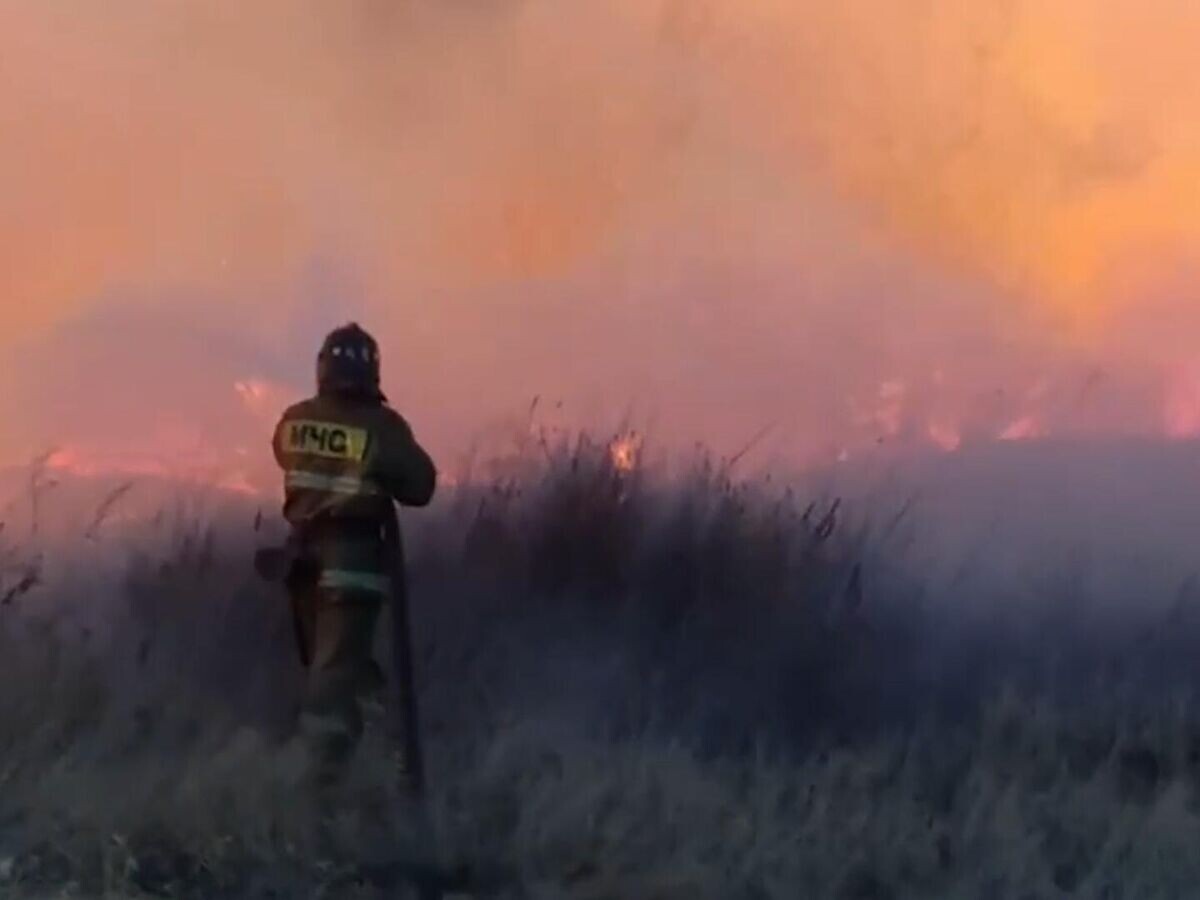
[325, 439]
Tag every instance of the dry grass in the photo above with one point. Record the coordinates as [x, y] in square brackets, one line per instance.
[635, 685]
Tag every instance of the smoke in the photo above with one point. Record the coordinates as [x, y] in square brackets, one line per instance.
[850, 222]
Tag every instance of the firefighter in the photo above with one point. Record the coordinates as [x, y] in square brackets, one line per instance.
[348, 459]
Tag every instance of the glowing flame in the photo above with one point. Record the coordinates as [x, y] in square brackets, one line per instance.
[625, 451]
[945, 435]
[1026, 428]
[886, 413]
[184, 455]
[263, 399]
[81, 462]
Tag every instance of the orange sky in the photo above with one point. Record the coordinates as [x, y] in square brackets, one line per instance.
[719, 213]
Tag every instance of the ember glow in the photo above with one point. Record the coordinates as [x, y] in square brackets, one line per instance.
[625, 452]
[860, 224]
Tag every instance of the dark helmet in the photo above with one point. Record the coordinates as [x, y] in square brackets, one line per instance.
[349, 363]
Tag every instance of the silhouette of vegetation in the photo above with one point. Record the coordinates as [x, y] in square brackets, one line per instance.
[636, 682]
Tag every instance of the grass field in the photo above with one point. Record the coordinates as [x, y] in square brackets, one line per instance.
[635, 684]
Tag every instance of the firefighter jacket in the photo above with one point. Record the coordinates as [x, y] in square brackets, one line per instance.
[347, 461]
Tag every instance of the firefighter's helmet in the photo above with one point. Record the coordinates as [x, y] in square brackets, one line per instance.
[349, 362]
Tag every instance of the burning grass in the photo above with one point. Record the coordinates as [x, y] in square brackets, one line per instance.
[635, 684]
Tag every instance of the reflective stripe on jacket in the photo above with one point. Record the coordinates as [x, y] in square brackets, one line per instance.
[350, 580]
[341, 485]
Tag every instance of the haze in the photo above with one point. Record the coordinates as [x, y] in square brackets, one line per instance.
[858, 224]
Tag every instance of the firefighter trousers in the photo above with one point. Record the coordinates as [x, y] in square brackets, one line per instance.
[337, 628]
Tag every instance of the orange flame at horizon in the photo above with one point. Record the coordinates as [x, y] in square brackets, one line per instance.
[212, 472]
